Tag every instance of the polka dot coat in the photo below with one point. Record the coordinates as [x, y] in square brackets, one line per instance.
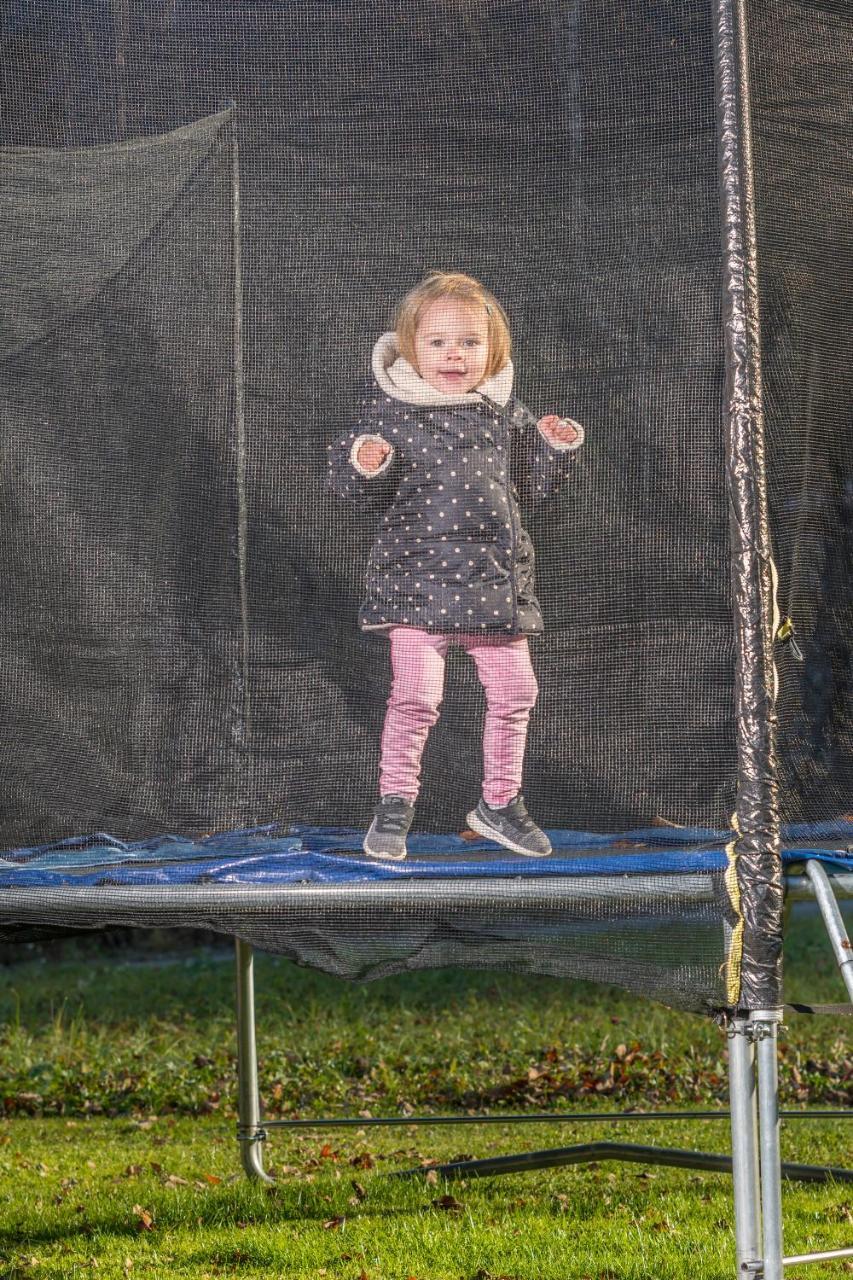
[451, 554]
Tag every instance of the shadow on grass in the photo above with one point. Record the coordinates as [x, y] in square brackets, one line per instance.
[329, 1206]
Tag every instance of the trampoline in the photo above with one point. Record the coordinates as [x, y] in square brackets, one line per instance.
[212, 215]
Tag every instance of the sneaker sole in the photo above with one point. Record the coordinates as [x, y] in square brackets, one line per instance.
[384, 857]
[489, 832]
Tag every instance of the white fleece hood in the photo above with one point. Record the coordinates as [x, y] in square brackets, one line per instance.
[401, 381]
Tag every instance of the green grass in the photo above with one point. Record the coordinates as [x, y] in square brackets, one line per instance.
[155, 1190]
[165, 1199]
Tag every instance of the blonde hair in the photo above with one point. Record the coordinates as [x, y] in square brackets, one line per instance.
[464, 289]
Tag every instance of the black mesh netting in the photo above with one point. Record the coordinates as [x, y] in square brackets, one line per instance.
[566, 159]
[802, 85]
[565, 155]
[121, 632]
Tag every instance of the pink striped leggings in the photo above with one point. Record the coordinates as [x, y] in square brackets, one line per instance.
[417, 662]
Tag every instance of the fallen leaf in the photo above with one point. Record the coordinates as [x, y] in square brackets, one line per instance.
[447, 1202]
[332, 1224]
[144, 1219]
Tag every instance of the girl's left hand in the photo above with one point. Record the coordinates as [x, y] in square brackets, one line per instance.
[560, 430]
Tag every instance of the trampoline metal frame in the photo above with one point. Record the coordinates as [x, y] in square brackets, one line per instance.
[755, 1163]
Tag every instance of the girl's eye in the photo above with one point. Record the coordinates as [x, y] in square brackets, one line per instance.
[435, 342]
[472, 342]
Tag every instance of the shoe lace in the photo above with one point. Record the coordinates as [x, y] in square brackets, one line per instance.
[392, 822]
[392, 817]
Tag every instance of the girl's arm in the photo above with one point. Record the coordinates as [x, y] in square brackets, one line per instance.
[543, 451]
[363, 465]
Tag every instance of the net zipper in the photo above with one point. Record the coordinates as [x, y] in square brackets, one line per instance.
[503, 417]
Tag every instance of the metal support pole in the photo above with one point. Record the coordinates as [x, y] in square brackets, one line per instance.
[744, 1125]
[764, 1024]
[833, 920]
[250, 1133]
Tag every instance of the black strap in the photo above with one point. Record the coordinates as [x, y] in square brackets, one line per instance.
[834, 1010]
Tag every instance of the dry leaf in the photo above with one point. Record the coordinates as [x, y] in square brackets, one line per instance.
[144, 1219]
[447, 1202]
[332, 1224]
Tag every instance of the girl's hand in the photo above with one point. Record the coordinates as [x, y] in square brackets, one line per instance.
[372, 454]
[560, 430]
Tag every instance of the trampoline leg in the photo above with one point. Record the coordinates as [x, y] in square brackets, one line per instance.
[744, 1125]
[833, 920]
[250, 1133]
[764, 1026]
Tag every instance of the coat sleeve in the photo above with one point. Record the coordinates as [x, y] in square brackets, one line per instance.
[349, 479]
[539, 466]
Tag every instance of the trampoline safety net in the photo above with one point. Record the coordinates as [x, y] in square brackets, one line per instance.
[240, 495]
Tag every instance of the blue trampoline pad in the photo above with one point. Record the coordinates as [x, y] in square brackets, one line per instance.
[305, 855]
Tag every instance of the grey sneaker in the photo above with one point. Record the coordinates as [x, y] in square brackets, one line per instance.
[387, 835]
[510, 826]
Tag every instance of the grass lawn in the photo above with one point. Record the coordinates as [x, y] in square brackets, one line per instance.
[118, 1159]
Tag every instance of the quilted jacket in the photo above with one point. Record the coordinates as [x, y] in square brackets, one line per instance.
[451, 554]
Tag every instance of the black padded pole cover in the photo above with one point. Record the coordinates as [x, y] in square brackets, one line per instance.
[756, 820]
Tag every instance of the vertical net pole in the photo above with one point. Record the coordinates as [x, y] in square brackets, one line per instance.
[744, 1126]
[756, 846]
[767, 1064]
[238, 348]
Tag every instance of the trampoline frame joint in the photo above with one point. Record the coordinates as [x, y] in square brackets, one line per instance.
[247, 1134]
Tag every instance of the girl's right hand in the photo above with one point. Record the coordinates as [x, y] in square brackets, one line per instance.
[372, 454]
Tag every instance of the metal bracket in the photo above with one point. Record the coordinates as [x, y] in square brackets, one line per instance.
[251, 1135]
[759, 1027]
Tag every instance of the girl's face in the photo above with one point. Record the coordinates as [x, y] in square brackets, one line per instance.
[452, 346]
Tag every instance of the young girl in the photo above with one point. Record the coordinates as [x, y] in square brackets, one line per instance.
[440, 447]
